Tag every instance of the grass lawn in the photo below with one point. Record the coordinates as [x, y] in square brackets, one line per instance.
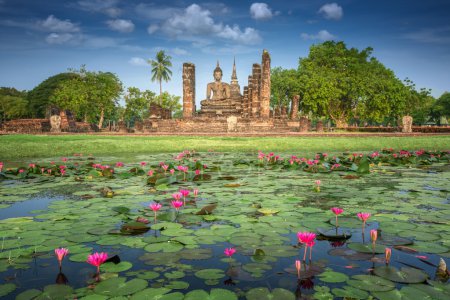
[41, 146]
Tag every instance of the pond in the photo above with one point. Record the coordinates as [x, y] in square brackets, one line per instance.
[235, 235]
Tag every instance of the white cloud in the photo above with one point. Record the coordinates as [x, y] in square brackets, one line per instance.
[138, 61]
[53, 24]
[196, 23]
[322, 35]
[439, 35]
[121, 25]
[108, 7]
[152, 28]
[62, 38]
[332, 11]
[179, 51]
[153, 12]
[260, 11]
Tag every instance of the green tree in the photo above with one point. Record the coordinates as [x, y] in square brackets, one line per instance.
[90, 95]
[343, 83]
[39, 97]
[441, 108]
[160, 68]
[285, 84]
[13, 104]
[137, 104]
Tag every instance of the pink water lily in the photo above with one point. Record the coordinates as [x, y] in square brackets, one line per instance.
[387, 255]
[306, 238]
[97, 259]
[155, 207]
[177, 204]
[363, 217]
[150, 173]
[229, 251]
[317, 182]
[1, 166]
[143, 163]
[197, 172]
[60, 254]
[373, 235]
[119, 164]
[337, 211]
[177, 196]
[195, 192]
[185, 193]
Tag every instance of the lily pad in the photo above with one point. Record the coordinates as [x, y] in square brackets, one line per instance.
[210, 274]
[366, 248]
[371, 283]
[120, 287]
[7, 288]
[332, 277]
[263, 293]
[115, 268]
[215, 294]
[404, 275]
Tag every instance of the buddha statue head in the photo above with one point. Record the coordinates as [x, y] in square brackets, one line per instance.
[218, 72]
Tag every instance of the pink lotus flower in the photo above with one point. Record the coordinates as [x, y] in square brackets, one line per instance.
[387, 255]
[32, 165]
[363, 217]
[229, 251]
[318, 182]
[155, 207]
[317, 186]
[185, 193]
[119, 164]
[1, 166]
[177, 204]
[21, 171]
[49, 171]
[63, 172]
[150, 173]
[197, 172]
[143, 163]
[64, 159]
[142, 220]
[172, 171]
[337, 211]
[373, 235]
[177, 196]
[298, 266]
[60, 253]
[205, 166]
[195, 192]
[42, 170]
[165, 167]
[97, 259]
[306, 238]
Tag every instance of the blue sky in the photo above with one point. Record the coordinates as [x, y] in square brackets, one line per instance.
[39, 39]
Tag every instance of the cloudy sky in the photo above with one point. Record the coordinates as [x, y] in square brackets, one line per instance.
[39, 39]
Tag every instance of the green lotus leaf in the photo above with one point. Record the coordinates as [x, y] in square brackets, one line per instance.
[332, 277]
[429, 247]
[266, 294]
[116, 268]
[196, 254]
[390, 295]
[210, 274]
[404, 275]
[177, 285]
[350, 292]
[366, 248]
[7, 288]
[150, 294]
[371, 283]
[56, 291]
[174, 274]
[169, 246]
[120, 287]
[215, 294]
[28, 294]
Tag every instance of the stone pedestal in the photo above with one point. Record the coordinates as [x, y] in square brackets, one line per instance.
[304, 124]
[265, 86]
[294, 107]
[188, 90]
[407, 124]
[319, 126]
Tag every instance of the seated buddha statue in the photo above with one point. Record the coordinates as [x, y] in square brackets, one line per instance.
[217, 92]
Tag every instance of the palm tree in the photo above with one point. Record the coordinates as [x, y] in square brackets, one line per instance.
[160, 68]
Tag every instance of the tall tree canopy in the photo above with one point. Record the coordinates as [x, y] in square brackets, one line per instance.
[137, 104]
[13, 104]
[343, 83]
[285, 84]
[441, 109]
[39, 97]
[90, 95]
[160, 68]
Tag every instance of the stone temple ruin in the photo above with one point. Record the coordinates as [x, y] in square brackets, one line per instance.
[225, 109]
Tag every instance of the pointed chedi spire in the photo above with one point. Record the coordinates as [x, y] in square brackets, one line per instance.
[233, 76]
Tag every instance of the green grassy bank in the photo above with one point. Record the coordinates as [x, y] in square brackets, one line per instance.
[40, 146]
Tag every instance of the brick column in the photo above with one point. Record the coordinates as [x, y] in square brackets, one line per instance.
[250, 97]
[256, 80]
[188, 90]
[294, 107]
[265, 86]
[245, 102]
